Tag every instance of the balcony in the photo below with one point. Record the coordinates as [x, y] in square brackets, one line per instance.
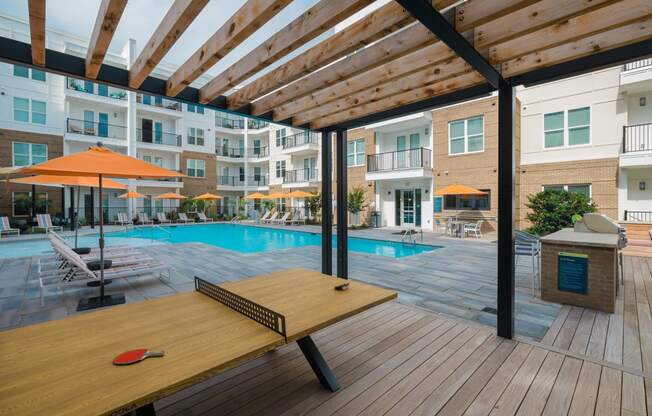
[90, 132]
[231, 181]
[229, 123]
[636, 75]
[159, 102]
[96, 92]
[255, 124]
[258, 152]
[402, 164]
[257, 181]
[637, 146]
[231, 152]
[299, 178]
[153, 137]
[301, 143]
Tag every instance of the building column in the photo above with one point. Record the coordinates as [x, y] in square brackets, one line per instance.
[342, 212]
[246, 163]
[327, 202]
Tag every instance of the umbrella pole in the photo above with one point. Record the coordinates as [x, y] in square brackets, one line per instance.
[76, 216]
[101, 242]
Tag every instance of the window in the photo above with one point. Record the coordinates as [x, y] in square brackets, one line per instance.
[465, 136]
[21, 109]
[280, 169]
[195, 136]
[22, 203]
[415, 141]
[280, 137]
[579, 188]
[468, 202]
[23, 72]
[38, 112]
[355, 152]
[567, 128]
[158, 161]
[192, 108]
[147, 158]
[196, 168]
[26, 154]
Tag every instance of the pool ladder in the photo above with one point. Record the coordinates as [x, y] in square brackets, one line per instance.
[169, 234]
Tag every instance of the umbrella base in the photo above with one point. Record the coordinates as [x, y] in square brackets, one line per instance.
[100, 302]
[97, 283]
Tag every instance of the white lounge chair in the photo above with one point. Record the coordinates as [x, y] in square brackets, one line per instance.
[475, 228]
[265, 216]
[160, 216]
[282, 219]
[203, 218]
[297, 218]
[5, 227]
[45, 223]
[184, 218]
[271, 219]
[123, 219]
[144, 219]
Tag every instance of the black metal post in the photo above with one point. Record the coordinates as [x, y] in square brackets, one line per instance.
[71, 210]
[327, 202]
[92, 208]
[318, 364]
[505, 296]
[342, 223]
[63, 205]
[33, 202]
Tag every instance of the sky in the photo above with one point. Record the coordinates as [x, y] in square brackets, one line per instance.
[141, 17]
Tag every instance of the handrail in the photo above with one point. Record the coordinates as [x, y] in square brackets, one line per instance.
[637, 138]
[169, 237]
[93, 128]
[159, 137]
[419, 157]
[299, 139]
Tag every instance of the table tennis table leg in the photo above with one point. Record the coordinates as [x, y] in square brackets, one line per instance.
[318, 363]
[147, 410]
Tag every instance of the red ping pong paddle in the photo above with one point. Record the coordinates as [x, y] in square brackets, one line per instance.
[135, 356]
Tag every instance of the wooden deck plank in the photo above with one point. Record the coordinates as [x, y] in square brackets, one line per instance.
[562, 393]
[598, 340]
[556, 326]
[631, 338]
[583, 333]
[537, 396]
[608, 403]
[613, 350]
[633, 396]
[567, 332]
[586, 392]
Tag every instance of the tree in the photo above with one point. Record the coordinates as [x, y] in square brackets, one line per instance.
[355, 203]
[553, 210]
[314, 204]
[268, 204]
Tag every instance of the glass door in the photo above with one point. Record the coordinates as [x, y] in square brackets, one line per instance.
[103, 125]
[257, 147]
[146, 130]
[89, 123]
[158, 132]
[400, 161]
[407, 207]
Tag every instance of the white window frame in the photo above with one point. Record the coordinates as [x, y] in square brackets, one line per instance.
[466, 136]
[30, 73]
[30, 155]
[356, 152]
[30, 110]
[565, 187]
[566, 144]
[280, 168]
[280, 135]
[196, 162]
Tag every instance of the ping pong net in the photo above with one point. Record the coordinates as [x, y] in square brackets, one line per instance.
[264, 316]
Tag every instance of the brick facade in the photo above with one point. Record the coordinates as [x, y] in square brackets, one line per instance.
[198, 186]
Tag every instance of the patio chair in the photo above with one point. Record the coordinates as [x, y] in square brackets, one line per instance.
[440, 226]
[526, 244]
[184, 218]
[143, 218]
[45, 223]
[449, 229]
[282, 220]
[475, 228]
[160, 216]
[203, 218]
[265, 216]
[5, 227]
[270, 219]
[298, 218]
[123, 219]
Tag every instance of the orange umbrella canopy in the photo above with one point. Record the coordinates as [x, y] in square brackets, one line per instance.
[169, 195]
[99, 160]
[459, 190]
[131, 194]
[207, 197]
[300, 194]
[256, 195]
[87, 181]
[276, 195]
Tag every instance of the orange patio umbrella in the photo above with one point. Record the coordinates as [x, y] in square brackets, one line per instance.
[98, 161]
[59, 180]
[459, 190]
[131, 194]
[300, 194]
[207, 197]
[169, 195]
[276, 195]
[256, 195]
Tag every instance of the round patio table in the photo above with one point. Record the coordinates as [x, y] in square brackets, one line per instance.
[458, 227]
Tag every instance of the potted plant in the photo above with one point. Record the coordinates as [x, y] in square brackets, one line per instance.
[314, 205]
[355, 204]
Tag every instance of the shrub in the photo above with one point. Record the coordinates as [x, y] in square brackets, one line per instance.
[314, 204]
[552, 210]
[355, 200]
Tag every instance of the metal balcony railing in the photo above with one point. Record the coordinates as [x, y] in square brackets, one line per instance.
[256, 124]
[92, 128]
[229, 123]
[300, 175]
[226, 151]
[255, 152]
[637, 138]
[158, 101]
[642, 63]
[638, 216]
[300, 139]
[95, 89]
[402, 159]
[230, 180]
[158, 137]
[259, 180]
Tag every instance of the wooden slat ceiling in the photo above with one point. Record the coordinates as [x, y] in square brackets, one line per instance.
[382, 61]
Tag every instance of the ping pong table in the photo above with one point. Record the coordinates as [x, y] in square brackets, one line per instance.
[64, 367]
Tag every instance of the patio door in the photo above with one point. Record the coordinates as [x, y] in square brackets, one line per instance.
[103, 125]
[257, 147]
[89, 122]
[407, 207]
[146, 130]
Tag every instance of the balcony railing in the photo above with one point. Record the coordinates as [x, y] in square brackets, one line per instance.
[299, 139]
[91, 128]
[402, 159]
[230, 180]
[236, 152]
[158, 137]
[638, 216]
[259, 180]
[256, 124]
[229, 123]
[158, 101]
[256, 152]
[95, 89]
[637, 138]
[638, 64]
[300, 175]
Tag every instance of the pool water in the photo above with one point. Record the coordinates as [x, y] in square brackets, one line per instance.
[251, 239]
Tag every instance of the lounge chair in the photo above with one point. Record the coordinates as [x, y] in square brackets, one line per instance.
[203, 218]
[526, 244]
[297, 218]
[265, 216]
[282, 219]
[183, 218]
[475, 228]
[79, 272]
[123, 219]
[5, 227]
[144, 219]
[45, 223]
[270, 219]
[160, 216]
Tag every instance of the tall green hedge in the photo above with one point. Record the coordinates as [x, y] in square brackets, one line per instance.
[552, 210]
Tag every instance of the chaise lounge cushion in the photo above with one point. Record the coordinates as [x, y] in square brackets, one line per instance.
[82, 250]
[94, 265]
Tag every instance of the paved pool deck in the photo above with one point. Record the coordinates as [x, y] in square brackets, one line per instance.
[457, 280]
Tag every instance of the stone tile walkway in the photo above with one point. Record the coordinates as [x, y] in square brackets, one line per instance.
[458, 279]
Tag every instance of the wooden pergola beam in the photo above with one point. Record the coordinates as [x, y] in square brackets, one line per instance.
[249, 18]
[375, 25]
[426, 76]
[180, 15]
[473, 13]
[385, 50]
[430, 55]
[106, 23]
[37, 30]
[319, 18]
[453, 84]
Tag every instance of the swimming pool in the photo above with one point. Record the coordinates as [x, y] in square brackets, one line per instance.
[252, 239]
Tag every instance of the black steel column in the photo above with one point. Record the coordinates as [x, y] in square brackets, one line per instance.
[63, 204]
[342, 223]
[505, 296]
[71, 210]
[327, 202]
[92, 208]
[33, 202]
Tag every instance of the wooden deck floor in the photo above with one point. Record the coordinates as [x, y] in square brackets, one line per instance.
[398, 360]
